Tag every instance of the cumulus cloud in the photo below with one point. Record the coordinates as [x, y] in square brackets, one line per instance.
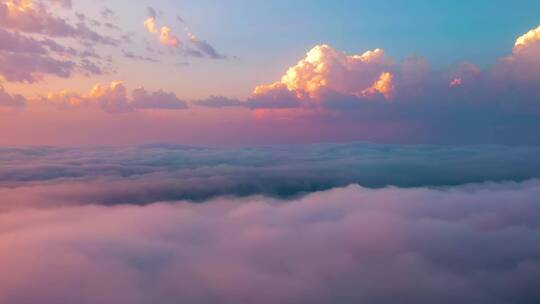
[114, 98]
[326, 73]
[142, 175]
[325, 67]
[460, 101]
[466, 244]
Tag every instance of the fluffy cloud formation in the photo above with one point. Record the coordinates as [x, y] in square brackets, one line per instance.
[499, 104]
[329, 78]
[467, 244]
[326, 68]
[114, 99]
[143, 175]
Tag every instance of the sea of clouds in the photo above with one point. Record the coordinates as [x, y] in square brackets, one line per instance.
[328, 223]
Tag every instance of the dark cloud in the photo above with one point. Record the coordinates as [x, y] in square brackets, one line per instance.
[205, 48]
[30, 68]
[168, 173]
[466, 244]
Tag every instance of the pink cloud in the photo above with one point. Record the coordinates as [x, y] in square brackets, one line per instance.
[114, 98]
[349, 243]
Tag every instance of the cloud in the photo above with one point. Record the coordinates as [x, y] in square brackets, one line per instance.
[30, 49]
[114, 99]
[475, 243]
[11, 101]
[459, 104]
[150, 25]
[164, 33]
[142, 175]
[34, 17]
[166, 38]
[31, 68]
[326, 68]
[27, 59]
[142, 99]
[326, 73]
[527, 39]
[200, 48]
[205, 47]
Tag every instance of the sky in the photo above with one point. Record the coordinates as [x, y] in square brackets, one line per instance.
[453, 70]
[223, 152]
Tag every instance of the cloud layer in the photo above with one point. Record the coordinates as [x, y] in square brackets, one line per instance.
[466, 244]
[143, 175]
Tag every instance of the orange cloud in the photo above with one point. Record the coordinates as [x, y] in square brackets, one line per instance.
[150, 25]
[166, 38]
[326, 68]
[164, 33]
[384, 85]
[115, 98]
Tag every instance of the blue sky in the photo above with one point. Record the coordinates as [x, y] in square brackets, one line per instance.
[266, 37]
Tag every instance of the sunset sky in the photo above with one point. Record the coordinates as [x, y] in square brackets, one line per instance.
[269, 151]
[258, 72]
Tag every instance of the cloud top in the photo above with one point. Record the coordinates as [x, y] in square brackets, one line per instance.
[476, 243]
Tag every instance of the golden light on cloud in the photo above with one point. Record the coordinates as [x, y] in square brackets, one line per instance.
[15, 6]
[65, 98]
[384, 85]
[150, 25]
[164, 33]
[166, 38]
[324, 67]
[528, 38]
